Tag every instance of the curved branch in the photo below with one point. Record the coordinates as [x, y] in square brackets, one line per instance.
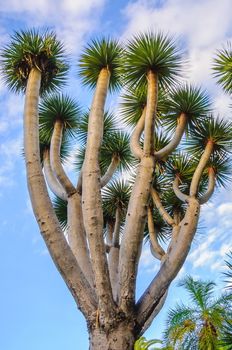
[48, 223]
[136, 135]
[55, 158]
[156, 249]
[157, 308]
[200, 168]
[183, 197]
[110, 171]
[211, 186]
[165, 151]
[51, 179]
[163, 212]
[175, 258]
[77, 238]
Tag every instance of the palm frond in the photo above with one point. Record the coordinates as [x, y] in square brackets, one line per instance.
[200, 292]
[187, 99]
[58, 107]
[223, 67]
[222, 166]
[32, 49]
[99, 54]
[116, 195]
[217, 130]
[110, 126]
[154, 52]
[117, 144]
[60, 207]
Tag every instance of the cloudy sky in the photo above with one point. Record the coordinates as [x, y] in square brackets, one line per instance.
[36, 310]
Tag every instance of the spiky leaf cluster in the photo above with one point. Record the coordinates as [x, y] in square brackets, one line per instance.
[116, 195]
[222, 167]
[60, 207]
[110, 126]
[99, 54]
[214, 129]
[58, 107]
[189, 100]
[223, 67]
[154, 52]
[134, 100]
[32, 49]
[197, 326]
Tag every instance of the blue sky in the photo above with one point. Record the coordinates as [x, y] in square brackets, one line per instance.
[36, 310]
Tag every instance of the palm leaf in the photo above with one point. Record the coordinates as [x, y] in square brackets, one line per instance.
[99, 54]
[32, 49]
[223, 67]
[154, 52]
[58, 107]
[60, 207]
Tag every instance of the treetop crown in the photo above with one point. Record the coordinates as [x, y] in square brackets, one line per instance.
[32, 49]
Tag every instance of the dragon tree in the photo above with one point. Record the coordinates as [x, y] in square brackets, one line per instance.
[164, 137]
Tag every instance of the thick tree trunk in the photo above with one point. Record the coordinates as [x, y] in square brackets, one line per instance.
[120, 338]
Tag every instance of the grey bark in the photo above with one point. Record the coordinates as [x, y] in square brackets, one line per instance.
[91, 199]
[51, 179]
[176, 255]
[181, 124]
[137, 209]
[42, 206]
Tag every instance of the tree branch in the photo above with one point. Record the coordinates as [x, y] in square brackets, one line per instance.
[157, 250]
[51, 179]
[176, 255]
[163, 212]
[77, 238]
[136, 135]
[182, 197]
[211, 186]
[91, 198]
[110, 171]
[137, 209]
[200, 168]
[165, 151]
[55, 159]
[49, 226]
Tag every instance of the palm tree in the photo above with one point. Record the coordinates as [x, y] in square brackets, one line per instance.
[94, 229]
[198, 325]
[222, 68]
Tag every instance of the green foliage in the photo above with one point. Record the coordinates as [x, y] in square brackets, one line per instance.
[110, 126]
[189, 100]
[60, 207]
[32, 49]
[58, 107]
[154, 52]
[223, 67]
[143, 344]
[198, 326]
[99, 54]
[217, 130]
[116, 195]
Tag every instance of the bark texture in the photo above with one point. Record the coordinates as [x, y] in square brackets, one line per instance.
[42, 206]
[120, 338]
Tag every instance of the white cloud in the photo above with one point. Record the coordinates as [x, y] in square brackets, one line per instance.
[225, 209]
